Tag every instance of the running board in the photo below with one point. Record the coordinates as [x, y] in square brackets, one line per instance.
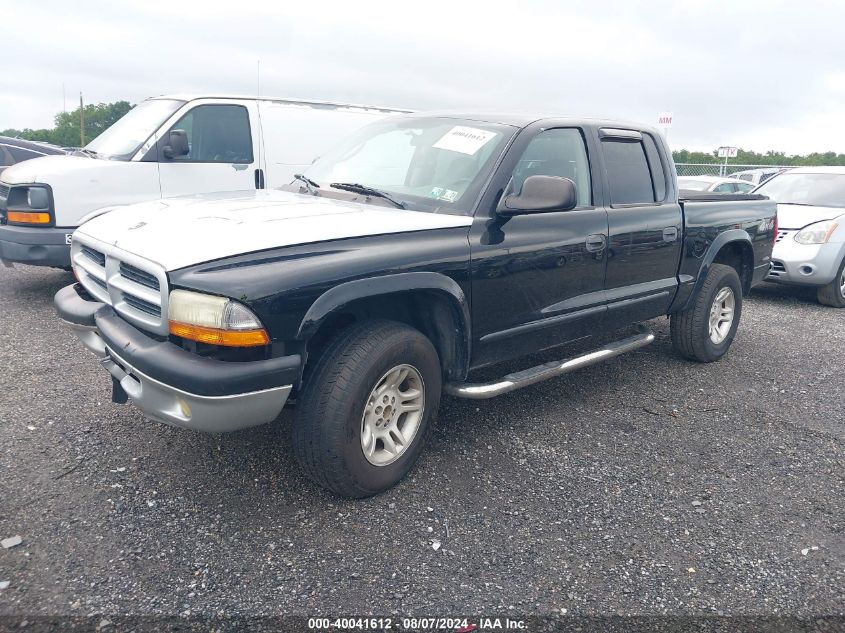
[526, 377]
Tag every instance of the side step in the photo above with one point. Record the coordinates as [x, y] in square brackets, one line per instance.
[526, 377]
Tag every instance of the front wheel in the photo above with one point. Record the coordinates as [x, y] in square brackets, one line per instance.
[833, 294]
[705, 331]
[367, 408]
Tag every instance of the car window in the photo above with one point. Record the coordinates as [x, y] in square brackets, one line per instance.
[5, 157]
[20, 154]
[725, 187]
[216, 134]
[743, 187]
[627, 171]
[557, 152]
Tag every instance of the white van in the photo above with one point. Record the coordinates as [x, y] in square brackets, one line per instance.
[163, 147]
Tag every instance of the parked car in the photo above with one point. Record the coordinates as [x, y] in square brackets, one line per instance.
[713, 184]
[17, 150]
[810, 247]
[758, 176]
[166, 146]
[421, 248]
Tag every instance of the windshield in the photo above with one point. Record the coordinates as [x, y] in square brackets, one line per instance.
[693, 185]
[122, 140]
[820, 190]
[426, 163]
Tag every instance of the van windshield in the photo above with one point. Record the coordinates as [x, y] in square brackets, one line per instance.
[122, 140]
[423, 163]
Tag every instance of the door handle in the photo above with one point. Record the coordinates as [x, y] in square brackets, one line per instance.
[595, 242]
[259, 178]
[670, 233]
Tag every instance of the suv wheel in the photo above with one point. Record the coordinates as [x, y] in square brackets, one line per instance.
[833, 294]
[367, 408]
[706, 330]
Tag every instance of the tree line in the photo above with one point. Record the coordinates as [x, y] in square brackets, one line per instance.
[65, 131]
[746, 157]
[99, 117]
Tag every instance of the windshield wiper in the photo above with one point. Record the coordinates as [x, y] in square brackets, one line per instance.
[309, 184]
[90, 152]
[801, 204]
[367, 191]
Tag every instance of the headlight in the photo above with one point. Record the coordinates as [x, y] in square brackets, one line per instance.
[29, 204]
[816, 233]
[214, 320]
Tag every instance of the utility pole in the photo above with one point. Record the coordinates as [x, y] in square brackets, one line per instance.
[81, 122]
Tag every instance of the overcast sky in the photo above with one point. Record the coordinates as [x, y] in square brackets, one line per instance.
[760, 75]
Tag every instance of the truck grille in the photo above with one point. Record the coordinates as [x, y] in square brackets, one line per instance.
[4, 191]
[136, 288]
[782, 234]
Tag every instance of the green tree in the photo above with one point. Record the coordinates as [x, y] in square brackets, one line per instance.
[98, 118]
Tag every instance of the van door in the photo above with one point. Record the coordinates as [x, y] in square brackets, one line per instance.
[222, 152]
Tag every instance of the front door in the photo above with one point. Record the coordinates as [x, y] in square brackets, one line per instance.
[537, 279]
[222, 151]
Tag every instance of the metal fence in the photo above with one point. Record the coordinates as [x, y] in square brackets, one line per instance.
[718, 169]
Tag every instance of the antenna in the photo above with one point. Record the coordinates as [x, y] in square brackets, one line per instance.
[258, 78]
[81, 122]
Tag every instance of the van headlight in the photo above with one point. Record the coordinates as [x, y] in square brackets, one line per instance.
[816, 233]
[214, 320]
[29, 205]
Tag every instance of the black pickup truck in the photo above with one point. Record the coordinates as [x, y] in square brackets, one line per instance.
[422, 248]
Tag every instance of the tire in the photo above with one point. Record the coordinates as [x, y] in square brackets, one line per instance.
[690, 329]
[833, 294]
[335, 407]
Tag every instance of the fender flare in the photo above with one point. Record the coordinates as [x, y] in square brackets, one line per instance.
[350, 291]
[724, 238]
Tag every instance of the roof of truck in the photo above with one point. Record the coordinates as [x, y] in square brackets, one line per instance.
[518, 119]
[290, 100]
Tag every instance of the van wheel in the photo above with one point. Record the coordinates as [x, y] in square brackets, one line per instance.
[833, 294]
[706, 330]
[367, 408]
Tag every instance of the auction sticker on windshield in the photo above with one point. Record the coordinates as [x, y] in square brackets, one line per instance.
[466, 140]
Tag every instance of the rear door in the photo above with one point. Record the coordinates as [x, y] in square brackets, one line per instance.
[645, 227]
[537, 279]
[222, 156]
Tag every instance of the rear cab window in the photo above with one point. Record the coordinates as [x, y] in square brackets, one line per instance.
[635, 172]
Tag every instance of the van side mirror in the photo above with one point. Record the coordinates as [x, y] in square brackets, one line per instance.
[177, 144]
[541, 194]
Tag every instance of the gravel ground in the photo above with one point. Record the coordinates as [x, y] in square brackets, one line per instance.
[647, 485]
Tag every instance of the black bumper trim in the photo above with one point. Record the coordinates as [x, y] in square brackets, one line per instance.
[41, 246]
[169, 364]
[73, 306]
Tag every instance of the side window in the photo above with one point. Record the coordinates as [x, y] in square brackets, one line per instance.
[658, 175]
[726, 187]
[627, 171]
[20, 154]
[216, 134]
[744, 187]
[5, 157]
[557, 152]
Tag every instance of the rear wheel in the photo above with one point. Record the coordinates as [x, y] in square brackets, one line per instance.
[367, 408]
[833, 294]
[706, 330]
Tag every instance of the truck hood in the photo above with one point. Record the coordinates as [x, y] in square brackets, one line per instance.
[179, 232]
[46, 168]
[794, 216]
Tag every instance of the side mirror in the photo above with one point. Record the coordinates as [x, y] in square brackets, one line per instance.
[541, 194]
[178, 144]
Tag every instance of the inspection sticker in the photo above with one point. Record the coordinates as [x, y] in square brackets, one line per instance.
[466, 140]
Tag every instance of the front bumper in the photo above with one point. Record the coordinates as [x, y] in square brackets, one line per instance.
[172, 385]
[805, 264]
[40, 246]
